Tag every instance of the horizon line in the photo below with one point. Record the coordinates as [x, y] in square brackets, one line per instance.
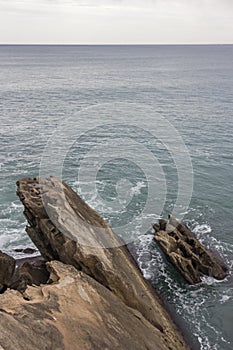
[114, 44]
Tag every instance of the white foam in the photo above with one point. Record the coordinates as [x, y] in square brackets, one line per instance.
[210, 281]
[191, 301]
[225, 298]
[202, 229]
[137, 189]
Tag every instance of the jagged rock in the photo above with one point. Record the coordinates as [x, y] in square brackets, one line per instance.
[65, 228]
[186, 253]
[7, 268]
[74, 312]
[28, 274]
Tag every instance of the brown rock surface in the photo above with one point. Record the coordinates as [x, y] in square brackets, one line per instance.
[7, 268]
[70, 231]
[74, 312]
[186, 253]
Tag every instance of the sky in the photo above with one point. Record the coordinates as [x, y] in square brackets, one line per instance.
[116, 21]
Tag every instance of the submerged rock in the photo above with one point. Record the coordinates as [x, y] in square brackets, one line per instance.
[25, 250]
[7, 268]
[186, 253]
[65, 228]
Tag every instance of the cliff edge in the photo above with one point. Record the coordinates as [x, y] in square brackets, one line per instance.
[95, 296]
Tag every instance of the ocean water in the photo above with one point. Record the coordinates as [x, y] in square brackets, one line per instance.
[119, 155]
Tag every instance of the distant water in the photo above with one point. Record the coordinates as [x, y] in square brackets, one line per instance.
[191, 86]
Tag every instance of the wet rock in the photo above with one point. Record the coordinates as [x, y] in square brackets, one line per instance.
[186, 253]
[25, 250]
[65, 228]
[7, 268]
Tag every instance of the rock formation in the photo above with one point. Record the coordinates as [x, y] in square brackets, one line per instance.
[186, 253]
[74, 312]
[28, 274]
[96, 297]
[7, 268]
[25, 250]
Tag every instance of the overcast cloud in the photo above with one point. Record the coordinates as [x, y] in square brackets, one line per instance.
[116, 21]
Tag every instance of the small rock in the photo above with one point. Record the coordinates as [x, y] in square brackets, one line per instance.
[186, 253]
[25, 250]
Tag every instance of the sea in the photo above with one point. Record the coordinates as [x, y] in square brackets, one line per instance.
[139, 132]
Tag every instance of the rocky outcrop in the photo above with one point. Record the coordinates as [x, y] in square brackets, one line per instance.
[7, 268]
[29, 273]
[18, 274]
[65, 228]
[186, 253]
[73, 312]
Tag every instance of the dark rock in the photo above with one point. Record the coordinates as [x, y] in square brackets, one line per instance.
[187, 254]
[28, 274]
[38, 259]
[182, 228]
[7, 268]
[156, 227]
[25, 250]
[162, 224]
[65, 228]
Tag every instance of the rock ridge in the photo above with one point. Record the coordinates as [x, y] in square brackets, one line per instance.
[95, 296]
[186, 253]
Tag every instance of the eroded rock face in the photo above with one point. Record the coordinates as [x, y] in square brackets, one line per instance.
[7, 268]
[74, 312]
[186, 253]
[28, 274]
[65, 228]
[19, 274]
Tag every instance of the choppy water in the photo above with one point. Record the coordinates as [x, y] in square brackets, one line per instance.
[191, 86]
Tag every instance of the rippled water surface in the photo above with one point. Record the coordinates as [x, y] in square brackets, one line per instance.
[191, 87]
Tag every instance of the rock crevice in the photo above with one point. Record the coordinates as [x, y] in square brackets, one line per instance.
[186, 253]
